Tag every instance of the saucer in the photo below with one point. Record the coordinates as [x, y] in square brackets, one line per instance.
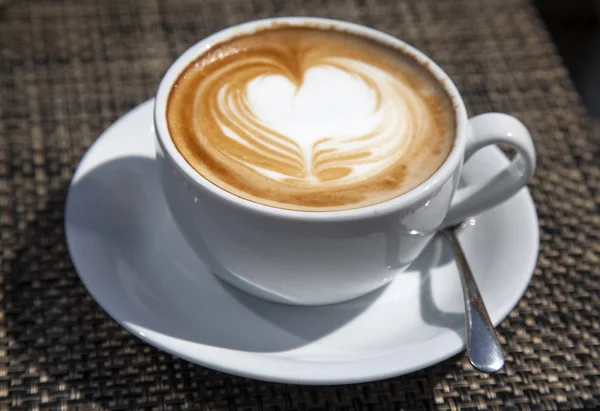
[135, 263]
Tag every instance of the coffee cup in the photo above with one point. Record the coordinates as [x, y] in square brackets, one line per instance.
[312, 257]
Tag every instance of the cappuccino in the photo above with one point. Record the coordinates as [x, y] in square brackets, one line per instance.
[310, 119]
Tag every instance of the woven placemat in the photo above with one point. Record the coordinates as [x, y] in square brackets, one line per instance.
[68, 69]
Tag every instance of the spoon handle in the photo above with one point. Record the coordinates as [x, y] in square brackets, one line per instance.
[483, 346]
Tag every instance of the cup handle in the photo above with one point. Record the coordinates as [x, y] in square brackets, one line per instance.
[487, 129]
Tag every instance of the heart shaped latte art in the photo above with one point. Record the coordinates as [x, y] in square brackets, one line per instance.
[333, 122]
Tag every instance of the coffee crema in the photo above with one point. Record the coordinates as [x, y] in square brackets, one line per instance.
[310, 119]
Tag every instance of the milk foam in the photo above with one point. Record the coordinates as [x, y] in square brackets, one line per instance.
[310, 119]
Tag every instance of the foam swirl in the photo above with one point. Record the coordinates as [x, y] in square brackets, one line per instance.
[288, 119]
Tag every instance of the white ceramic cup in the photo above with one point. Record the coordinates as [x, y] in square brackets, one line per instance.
[311, 258]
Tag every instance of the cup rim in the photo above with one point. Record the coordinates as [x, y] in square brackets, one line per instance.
[416, 195]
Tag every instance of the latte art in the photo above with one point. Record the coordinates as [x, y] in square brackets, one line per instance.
[340, 122]
[310, 119]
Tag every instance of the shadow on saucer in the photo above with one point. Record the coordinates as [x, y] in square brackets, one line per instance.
[300, 321]
[438, 253]
[308, 323]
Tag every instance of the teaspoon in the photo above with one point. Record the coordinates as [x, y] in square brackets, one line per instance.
[483, 347]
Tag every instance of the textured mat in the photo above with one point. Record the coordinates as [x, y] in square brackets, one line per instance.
[70, 68]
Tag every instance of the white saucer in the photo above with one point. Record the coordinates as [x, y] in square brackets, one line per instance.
[138, 267]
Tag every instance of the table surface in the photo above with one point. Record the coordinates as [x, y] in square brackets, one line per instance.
[68, 69]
